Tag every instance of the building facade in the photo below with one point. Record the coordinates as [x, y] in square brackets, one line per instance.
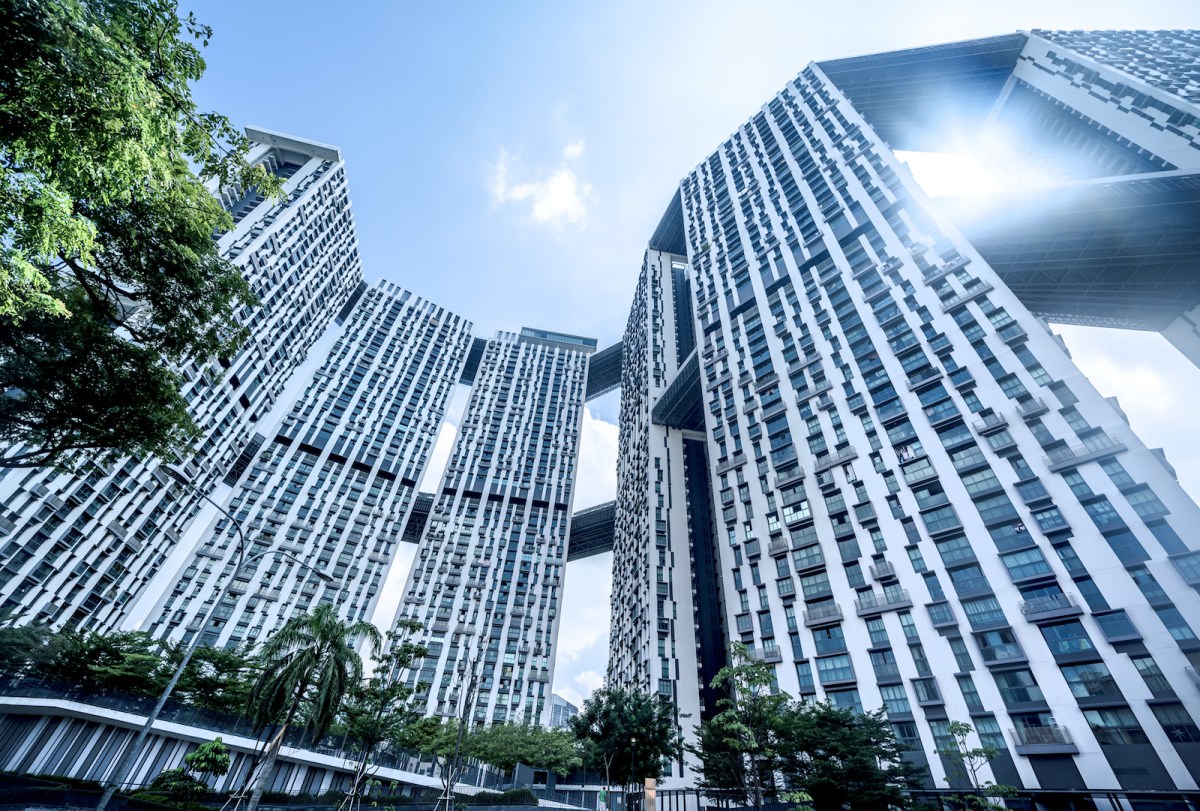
[848, 439]
[561, 711]
[487, 582]
[921, 504]
[81, 548]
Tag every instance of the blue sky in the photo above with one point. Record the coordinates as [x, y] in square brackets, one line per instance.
[509, 161]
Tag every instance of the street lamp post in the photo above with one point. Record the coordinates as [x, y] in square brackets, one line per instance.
[632, 783]
[125, 765]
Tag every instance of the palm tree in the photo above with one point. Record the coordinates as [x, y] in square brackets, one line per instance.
[308, 665]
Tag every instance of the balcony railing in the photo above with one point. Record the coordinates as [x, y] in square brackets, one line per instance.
[890, 600]
[1051, 606]
[1043, 740]
[1032, 408]
[823, 615]
[1094, 448]
[789, 477]
[844, 455]
[970, 294]
[882, 571]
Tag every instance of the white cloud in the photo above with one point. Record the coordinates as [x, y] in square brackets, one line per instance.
[574, 150]
[589, 680]
[596, 477]
[555, 199]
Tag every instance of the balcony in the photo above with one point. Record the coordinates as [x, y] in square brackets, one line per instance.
[825, 615]
[766, 380]
[972, 293]
[1047, 740]
[1012, 334]
[891, 600]
[797, 366]
[837, 458]
[768, 653]
[1005, 654]
[824, 402]
[804, 395]
[883, 571]
[789, 477]
[737, 460]
[1096, 447]
[1050, 607]
[1032, 408]
[928, 380]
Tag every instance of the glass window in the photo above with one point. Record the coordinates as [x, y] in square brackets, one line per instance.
[877, 630]
[834, 669]
[962, 656]
[1067, 637]
[830, 640]
[1177, 723]
[1018, 687]
[1116, 726]
[1173, 619]
[1145, 503]
[845, 700]
[1090, 680]
[983, 611]
[926, 690]
[1117, 624]
[971, 695]
[895, 699]
[1026, 563]
[989, 732]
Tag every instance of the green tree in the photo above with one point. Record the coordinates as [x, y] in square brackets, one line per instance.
[627, 735]
[174, 785]
[218, 679]
[124, 662]
[506, 745]
[966, 765]
[739, 746]
[21, 646]
[210, 759]
[844, 760]
[108, 267]
[308, 667]
[376, 710]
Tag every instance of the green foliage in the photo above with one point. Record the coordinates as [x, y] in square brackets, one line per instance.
[966, 763]
[626, 735]
[178, 786]
[843, 759]
[217, 679]
[760, 739]
[124, 662]
[308, 666]
[376, 710]
[739, 746]
[104, 224]
[211, 758]
[506, 745]
[20, 645]
[430, 735]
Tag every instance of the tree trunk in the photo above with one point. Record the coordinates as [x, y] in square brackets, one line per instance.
[272, 752]
[266, 767]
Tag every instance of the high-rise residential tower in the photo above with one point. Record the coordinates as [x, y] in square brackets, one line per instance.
[487, 581]
[918, 501]
[334, 484]
[80, 548]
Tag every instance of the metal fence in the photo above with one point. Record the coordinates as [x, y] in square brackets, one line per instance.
[941, 800]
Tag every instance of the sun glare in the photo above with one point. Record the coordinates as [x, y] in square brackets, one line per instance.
[984, 166]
